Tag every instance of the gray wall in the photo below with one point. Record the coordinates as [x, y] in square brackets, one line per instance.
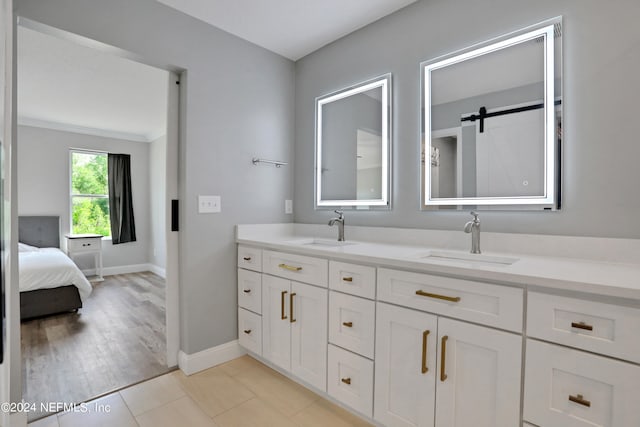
[237, 102]
[43, 185]
[157, 199]
[601, 65]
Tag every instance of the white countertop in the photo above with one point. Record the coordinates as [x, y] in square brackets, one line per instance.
[604, 276]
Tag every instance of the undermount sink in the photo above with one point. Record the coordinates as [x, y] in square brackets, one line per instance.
[325, 243]
[469, 257]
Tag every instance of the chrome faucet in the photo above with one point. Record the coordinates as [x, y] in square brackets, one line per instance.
[473, 227]
[340, 221]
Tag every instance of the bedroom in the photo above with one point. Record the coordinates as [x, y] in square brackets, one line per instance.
[89, 106]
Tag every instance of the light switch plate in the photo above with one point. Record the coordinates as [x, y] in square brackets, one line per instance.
[288, 206]
[209, 204]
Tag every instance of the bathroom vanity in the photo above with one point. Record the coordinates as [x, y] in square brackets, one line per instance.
[406, 334]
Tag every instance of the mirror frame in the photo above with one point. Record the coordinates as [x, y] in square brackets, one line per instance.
[383, 82]
[550, 199]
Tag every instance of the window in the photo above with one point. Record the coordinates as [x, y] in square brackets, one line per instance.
[89, 193]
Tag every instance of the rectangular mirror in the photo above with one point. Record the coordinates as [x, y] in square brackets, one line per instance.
[353, 133]
[493, 116]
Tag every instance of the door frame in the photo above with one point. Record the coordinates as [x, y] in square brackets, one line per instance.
[175, 136]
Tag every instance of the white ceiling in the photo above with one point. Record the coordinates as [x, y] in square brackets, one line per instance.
[63, 85]
[291, 28]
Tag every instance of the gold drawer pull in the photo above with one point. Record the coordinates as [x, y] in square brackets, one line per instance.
[289, 267]
[582, 325]
[247, 258]
[346, 381]
[580, 400]
[424, 352]
[348, 324]
[246, 291]
[443, 354]
[444, 297]
[247, 331]
[282, 315]
[347, 279]
[291, 319]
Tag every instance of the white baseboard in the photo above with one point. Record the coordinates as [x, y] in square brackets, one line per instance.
[120, 269]
[158, 270]
[196, 362]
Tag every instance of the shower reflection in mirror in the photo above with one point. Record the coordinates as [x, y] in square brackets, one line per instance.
[493, 114]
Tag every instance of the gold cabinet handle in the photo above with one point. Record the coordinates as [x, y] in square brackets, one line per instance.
[347, 279]
[425, 334]
[430, 295]
[348, 324]
[346, 380]
[443, 356]
[291, 319]
[289, 267]
[580, 400]
[246, 291]
[581, 325]
[247, 331]
[282, 315]
[247, 258]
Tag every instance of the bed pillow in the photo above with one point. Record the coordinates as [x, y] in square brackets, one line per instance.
[23, 247]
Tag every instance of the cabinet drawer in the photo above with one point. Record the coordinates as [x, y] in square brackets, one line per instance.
[492, 305]
[353, 279]
[250, 258]
[570, 388]
[350, 380]
[84, 245]
[296, 267]
[597, 327]
[250, 290]
[250, 331]
[351, 323]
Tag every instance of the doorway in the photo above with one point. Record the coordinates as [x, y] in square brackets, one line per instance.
[146, 289]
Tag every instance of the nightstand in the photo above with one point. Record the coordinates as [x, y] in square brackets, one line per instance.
[78, 244]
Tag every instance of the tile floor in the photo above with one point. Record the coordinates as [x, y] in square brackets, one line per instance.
[239, 393]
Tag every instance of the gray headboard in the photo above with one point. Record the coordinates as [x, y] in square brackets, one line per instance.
[39, 231]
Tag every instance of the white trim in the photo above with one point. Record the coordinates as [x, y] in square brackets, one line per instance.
[158, 270]
[196, 362]
[68, 127]
[120, 269]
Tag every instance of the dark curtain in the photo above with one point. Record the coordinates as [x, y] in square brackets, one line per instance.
[123, 228]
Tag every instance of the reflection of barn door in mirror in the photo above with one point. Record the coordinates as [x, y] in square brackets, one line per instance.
[510, 155]
[369, 165]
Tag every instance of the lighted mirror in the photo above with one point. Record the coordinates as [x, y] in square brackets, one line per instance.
[492, 123]
[352, 146]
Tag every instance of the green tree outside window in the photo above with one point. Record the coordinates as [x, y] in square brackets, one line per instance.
[89, 194]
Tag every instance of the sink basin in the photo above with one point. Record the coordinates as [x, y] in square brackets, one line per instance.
[469, 257]
[325, 243]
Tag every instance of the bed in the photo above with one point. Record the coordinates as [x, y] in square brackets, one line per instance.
[50, 282]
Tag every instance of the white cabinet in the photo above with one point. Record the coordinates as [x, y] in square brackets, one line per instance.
[405, 367]
[352, 323]
[571, 388]
[250, 331]
[276, 332]
[430, 368]
[350, 380]
[250, 290]
[294, 328]
[478, 376]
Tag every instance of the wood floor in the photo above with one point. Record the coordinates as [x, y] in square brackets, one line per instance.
[116, 339]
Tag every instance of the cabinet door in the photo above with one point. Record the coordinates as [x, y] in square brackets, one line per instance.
[308, 320]
[276, 339]
[478, 377]
[405, 367]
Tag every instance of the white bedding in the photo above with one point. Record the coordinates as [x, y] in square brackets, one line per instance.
[50, 268]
